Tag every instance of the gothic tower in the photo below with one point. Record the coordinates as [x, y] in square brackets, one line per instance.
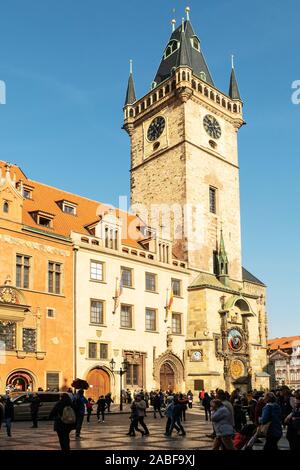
[184, 154]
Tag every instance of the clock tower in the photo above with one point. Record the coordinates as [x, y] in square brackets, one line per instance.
[184, 159]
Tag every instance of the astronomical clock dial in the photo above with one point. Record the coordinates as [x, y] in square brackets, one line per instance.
[196, 356]
[212, 126]
[235, 340]
[156, 128]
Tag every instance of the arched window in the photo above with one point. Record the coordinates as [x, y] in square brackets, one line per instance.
[203, 76]
[199, 87]
[183, 76]
[212, 95]
[167, 89]
[194, 85]
[234, 108]
[205, 91]
[5, 207]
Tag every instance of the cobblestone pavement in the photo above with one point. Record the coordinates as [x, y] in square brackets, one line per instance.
[111, 435]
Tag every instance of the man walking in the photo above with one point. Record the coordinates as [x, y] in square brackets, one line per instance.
[109, 401]
[176, 419]
[157, 405]
[101, 405]
[8, 415]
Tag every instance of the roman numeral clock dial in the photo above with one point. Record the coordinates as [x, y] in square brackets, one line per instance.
[156, 128]
[212, 126]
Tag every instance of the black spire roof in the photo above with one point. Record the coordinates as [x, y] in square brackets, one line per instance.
[130, 94]
[185, 54]
[233, 87]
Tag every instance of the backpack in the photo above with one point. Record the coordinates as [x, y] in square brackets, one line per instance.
[68, 415]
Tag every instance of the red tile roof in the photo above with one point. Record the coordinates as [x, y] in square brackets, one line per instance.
[285, 342]
[45, 198]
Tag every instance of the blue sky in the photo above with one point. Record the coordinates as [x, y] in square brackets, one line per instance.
[65, 65]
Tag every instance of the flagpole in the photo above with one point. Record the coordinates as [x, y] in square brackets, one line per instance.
[167, 307]
[115, 296]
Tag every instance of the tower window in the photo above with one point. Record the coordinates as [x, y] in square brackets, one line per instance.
[215, 263]
[203, 76]
[212, 200]
[171, 47]
[196, 43]
[5, 207]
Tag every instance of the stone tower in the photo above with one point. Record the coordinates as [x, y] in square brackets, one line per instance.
[184, 158]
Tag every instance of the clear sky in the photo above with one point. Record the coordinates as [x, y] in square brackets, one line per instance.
[65, 65]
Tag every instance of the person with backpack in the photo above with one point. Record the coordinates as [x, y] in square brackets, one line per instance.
[80, 404]
[271, 416]
[64, 420]
[109, 401]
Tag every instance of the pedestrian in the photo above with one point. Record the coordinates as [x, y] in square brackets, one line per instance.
[79, 405]
[239, 415]
[1, 411]
[293, 424]
[157, 405]
[64, 420]
[128, 396]
[8, 415]
[176, 419]
[169, 412]
[89, 409]
[183, 401]
[206, 400]
[190, 398]
[271, 416]
[223, 396]
[35, 404]
[109, 401]
[141, 410]
[134, 421]
[222, 424]
[101, 406]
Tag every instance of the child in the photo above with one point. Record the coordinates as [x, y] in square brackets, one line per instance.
[89, 409]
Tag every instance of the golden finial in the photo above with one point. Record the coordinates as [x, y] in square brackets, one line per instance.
[187, 10]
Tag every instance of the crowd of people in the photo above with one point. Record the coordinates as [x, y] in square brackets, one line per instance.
[238, 419]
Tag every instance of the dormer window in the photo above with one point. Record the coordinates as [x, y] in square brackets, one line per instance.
[67, 207]
[26, 193]
[171, 47]
[43, 218]
[203, 76]
[195, 43]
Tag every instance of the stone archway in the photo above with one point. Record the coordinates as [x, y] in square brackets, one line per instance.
[168, 371]
[99, 382]
[20, 381]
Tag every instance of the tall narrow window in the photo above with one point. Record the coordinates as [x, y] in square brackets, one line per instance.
[97, 312]
[126, 276]
[176, 287]
[103, 351]
[126, 316]
[92, 351]
[29, 339]
[5, 207]
[8, 335]
[22, 271]
[54, 277]
[151, 282]
[150, 319]
[176, 323]
[212, 200]
[52, 381]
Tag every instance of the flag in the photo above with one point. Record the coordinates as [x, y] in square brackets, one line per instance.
[118, 293]
[170, 304]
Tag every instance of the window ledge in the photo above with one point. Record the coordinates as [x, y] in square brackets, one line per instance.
[177, 334]
[98, 325]
[127, 328]
[151, 291]
[128, 287]
[97, 281]
[151, 331]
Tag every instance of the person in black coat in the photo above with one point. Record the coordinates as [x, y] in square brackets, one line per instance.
[206, 405]
[35, 403]
[156, 405]
[176, 419]
[63, 430]
[8, 415]
[101, 405]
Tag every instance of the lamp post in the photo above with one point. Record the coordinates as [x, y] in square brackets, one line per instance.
[121, 372]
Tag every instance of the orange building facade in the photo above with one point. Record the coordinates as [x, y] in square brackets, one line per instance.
[36, 287]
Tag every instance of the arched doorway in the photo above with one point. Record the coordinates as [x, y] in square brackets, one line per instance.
[167, 377]
[20, 381]
[99, 382]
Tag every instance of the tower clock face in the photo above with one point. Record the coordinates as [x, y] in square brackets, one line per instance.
[156, 128]
[212, 126]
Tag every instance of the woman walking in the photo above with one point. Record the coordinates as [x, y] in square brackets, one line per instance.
[64, 420]
[8, 415]
[101, 405]
[293, 424]
[222, 424]
[271, 415]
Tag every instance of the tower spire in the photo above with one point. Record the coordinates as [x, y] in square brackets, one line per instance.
[233, 86]
[222, 261]
[130, 94]
[187, 10]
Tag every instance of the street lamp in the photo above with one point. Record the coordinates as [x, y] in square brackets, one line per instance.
[121, 372]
